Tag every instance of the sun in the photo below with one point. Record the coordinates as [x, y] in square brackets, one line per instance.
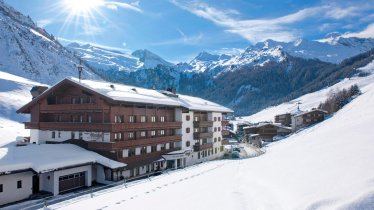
[82, 7]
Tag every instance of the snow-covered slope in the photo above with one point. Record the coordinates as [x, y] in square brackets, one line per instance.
[328, 166]
[14, 93]
[30, 52]
[111, 60]
[308, 101]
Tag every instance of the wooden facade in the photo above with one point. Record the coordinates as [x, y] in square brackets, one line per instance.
[71, 107]
[283, 119]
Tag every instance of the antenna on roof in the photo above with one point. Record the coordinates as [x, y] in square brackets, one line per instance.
[80, 69]
[298, 105]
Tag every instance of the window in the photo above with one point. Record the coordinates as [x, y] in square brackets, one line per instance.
[163, 146]
[132, 119]
[59, 118]
[219, 128]
[162, 119]
[215, 129]
[215, 150]
[1, 188]
[53, 134]
[153, 133]
[195, 130]
[80, 118]
[142, 133]
[154, 148]
[80, 135]
[171, 145]
[19, 184]
[195, 118]
[81, 100]
[162, 132]
[215, 139]
[215, 118]
[219, 138]
[188, 130]
[117, 136]
[118, 119]
[59, 134]
[131, 135]
[89, 118]
[72, 135]
[188, 117]
[143, 150]
[73, 100]
[143, 119]
[188, 143]
[131, 152]
[219, 118]
[153, 119]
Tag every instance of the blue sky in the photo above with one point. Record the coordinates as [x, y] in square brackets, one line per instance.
[178, 30]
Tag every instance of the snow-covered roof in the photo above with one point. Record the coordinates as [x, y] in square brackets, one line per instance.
[126, 93]
[49, 157]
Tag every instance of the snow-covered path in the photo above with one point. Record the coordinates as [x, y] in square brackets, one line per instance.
[329, 166]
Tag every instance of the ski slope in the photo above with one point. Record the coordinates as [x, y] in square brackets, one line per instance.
[328, 166]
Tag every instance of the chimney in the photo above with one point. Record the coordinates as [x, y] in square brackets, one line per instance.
[37, 90]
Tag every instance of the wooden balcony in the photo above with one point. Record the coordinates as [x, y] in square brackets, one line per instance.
[31, 125]
[69, 107]
[117, 127]
[120, 145]
[200, 135]
[225, 133]
[225, 123]
[203, 123]
[101, 127]
[70, 126]
[200, 147]
[225, 142]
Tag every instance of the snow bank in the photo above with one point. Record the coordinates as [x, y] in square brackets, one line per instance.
[49, 157]
[328, 166]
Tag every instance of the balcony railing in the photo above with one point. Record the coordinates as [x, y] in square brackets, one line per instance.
[200, 135]
[200, 147]
[119, 145]
[62, 107]
[101, 127]
[203, 123]
[225, 133]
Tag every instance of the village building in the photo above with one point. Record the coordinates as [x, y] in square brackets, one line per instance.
[31, 169]
[283, 119]
[148, 130]
[307, 118]
[266, 131]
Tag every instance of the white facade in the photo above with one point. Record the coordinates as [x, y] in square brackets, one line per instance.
[11, 191]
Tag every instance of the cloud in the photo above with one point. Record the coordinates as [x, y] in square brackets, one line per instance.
[184, 39]
[44, 22]
[114, 5]
[229, 51]
[254, 30]
[279, 28]
[81, 42]
[368, 32]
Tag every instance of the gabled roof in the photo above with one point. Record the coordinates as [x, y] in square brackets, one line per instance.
[49, 157]
[124, 93]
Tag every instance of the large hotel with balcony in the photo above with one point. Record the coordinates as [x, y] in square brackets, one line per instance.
[149, 130]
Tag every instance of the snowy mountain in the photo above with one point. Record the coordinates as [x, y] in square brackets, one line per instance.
[327, 166]
[111, 60]
[30, 52]
[334, 48]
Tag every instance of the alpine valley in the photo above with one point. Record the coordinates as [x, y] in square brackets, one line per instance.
[264, 74]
